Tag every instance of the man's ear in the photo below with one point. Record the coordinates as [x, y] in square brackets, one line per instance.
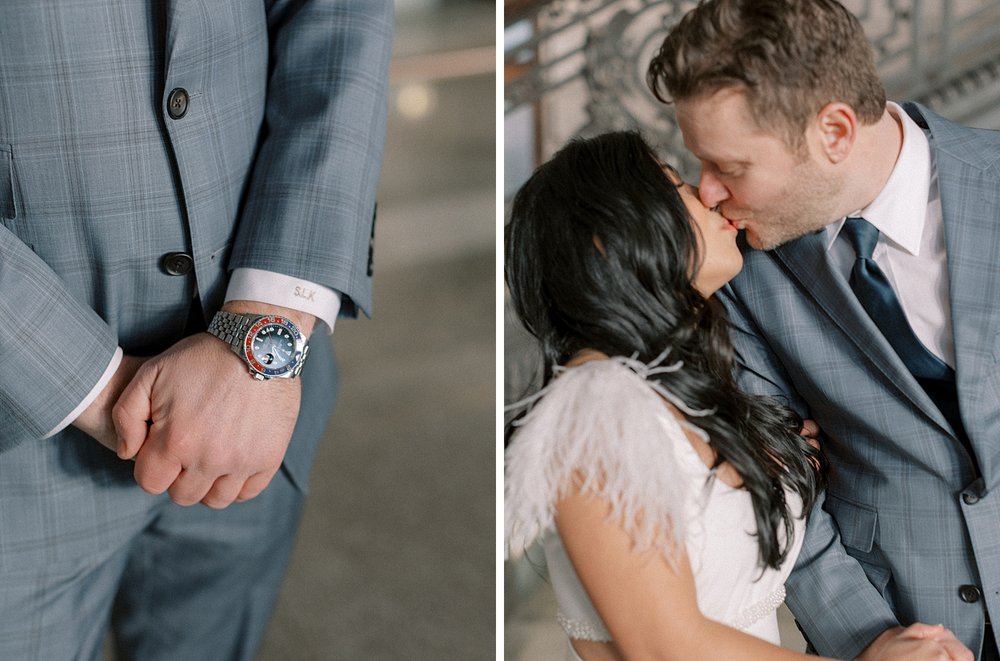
[837, 127]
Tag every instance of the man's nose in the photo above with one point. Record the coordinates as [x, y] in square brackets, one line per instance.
[711, 191]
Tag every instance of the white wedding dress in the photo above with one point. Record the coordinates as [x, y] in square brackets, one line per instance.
[606, 422]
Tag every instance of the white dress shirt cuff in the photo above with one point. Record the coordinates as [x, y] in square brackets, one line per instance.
[279, 289]
[89, 399]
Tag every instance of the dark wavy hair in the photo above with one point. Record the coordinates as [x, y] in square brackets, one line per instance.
[600, 252]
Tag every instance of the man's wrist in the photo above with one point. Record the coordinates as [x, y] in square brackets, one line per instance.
[250, 284]
[90, 412]
[304, 321]
[96, 419]
[872, 649]
[271, 340]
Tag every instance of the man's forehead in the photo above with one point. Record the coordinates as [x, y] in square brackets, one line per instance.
[718, 126]
[727, 101]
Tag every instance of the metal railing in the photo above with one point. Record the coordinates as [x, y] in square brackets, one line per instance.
[577, 67]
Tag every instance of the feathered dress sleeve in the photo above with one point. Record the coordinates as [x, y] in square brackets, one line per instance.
[604, 427]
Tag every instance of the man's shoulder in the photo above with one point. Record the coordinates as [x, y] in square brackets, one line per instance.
[754, 259]
[977, 146]
[775, 277]
[762, 271]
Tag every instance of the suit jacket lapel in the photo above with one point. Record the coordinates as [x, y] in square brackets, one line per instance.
[970, 204]
[807, 261]
[173, 10]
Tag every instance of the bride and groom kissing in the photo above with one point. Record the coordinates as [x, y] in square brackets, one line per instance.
[836, 262]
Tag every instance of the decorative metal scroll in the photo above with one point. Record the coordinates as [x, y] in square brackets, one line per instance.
[580, 64]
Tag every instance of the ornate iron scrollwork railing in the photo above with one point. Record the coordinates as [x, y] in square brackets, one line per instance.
[580, 64]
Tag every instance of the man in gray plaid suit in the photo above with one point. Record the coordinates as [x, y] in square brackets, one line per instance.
[160, 161]
[872, 306]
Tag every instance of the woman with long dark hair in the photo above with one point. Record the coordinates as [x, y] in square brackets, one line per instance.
[669, 503]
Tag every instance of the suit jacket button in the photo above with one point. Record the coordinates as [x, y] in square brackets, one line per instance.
[177, 103]
[974, 492]
[970, 593]
[176, 263]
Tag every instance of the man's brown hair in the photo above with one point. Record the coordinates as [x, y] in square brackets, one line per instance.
[790, 57]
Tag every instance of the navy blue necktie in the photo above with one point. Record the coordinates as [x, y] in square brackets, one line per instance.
[879, 300]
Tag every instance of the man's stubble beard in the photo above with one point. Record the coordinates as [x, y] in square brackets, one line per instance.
[807, 203]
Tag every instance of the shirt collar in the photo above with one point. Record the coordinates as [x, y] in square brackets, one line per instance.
[896, 213]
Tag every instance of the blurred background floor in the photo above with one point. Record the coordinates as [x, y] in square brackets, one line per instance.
[396, 554]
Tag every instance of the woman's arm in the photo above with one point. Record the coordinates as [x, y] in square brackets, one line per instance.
[651, 610]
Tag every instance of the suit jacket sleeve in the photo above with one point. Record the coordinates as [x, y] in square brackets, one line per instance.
[53, 347]
[834, 603]
[309, 210]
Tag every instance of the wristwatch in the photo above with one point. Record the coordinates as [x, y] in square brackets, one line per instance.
[271, 345]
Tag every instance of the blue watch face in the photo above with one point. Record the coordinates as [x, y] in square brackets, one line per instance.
[273, 346]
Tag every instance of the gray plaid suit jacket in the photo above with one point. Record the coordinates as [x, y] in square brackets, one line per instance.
[895, 538]
[273, 166]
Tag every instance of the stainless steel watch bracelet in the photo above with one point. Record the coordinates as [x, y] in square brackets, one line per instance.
[231, 328]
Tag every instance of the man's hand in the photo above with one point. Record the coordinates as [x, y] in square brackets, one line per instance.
[215, 435]
[916, 643]
[96, 418]
[810, 431]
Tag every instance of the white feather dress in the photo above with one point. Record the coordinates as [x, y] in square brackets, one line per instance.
[606, 423]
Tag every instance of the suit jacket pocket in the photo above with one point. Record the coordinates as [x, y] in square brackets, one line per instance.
[858, 526]
[857, 522]
[8, 207]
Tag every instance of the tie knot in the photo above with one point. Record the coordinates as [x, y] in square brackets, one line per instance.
[862, 235]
